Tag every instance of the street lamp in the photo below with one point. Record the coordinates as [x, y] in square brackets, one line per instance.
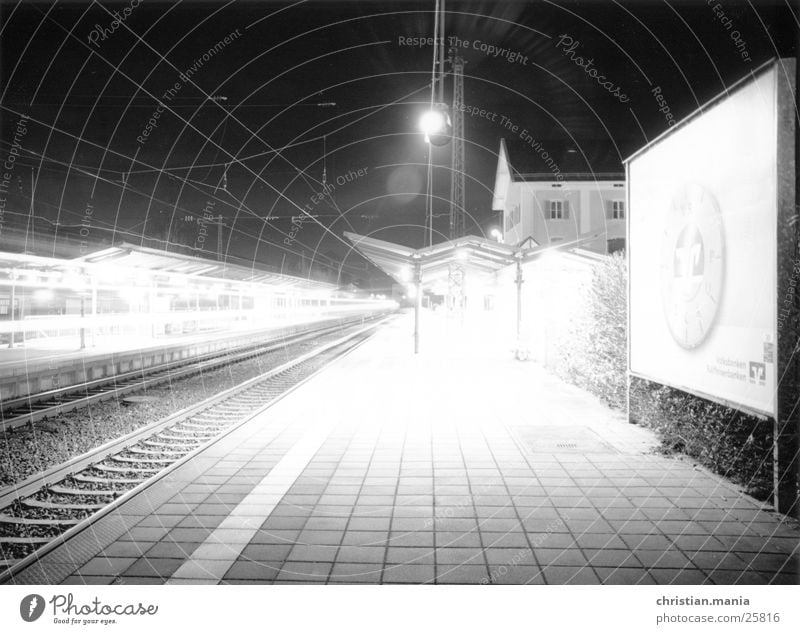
[436, 125]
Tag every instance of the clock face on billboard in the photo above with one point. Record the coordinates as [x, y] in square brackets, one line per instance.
[692, 265]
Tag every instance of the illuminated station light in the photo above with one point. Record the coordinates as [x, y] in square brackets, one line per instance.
[436, 125]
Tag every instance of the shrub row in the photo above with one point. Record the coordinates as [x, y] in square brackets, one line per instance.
[592, 354]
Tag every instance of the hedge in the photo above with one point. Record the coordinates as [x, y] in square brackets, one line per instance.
[592, 354]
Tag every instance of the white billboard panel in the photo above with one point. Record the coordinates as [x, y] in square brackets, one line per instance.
[702, 251]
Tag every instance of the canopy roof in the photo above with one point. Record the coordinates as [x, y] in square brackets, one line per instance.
[130, 260]
[479, 256]
[155, 260]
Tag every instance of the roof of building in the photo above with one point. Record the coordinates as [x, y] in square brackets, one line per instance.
[532, 159]
[479, 256]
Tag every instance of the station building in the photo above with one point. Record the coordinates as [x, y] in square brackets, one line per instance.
[555, 192]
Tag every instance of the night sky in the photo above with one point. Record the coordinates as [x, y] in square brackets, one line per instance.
[133, 128]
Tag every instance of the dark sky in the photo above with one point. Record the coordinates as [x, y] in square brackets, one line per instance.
[89, 88]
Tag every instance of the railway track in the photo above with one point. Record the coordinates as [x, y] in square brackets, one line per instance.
[36, 407]
[44, 510]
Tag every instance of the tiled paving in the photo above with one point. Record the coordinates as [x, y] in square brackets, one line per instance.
[455, 466]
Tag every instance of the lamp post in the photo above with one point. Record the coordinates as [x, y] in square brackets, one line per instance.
[417, 300]
[13, 299]
[520, 354]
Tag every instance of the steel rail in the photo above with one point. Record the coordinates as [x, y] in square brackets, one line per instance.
[45, 480]
[143, 378]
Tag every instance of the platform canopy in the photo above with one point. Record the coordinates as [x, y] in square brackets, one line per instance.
[163, 262]
[477, 256]
[117, 266]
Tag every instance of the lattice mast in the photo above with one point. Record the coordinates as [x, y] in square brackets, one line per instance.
[457, 210]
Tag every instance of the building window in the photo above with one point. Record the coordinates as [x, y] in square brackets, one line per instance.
[513, 218]
[616, 245]
[617, 210]
[558, 210]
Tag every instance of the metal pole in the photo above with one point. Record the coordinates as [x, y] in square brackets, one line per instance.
[417, 304]
[22, 315]
[151, 309]
[441, 54]
[94, 310]
[11, 309]
[83, 329]
[519, 281]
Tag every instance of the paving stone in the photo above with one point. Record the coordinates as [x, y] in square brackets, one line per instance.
[624, 576]
[678, 577]
[668, 558]
[457, 540]
[276, 537]
[355, 573]
[412, 573]
[154, 567]
[101, 566]
[409, 555]
[281, 523]
[459, 556]
[361, 554]
[365, 538]
[560, 557]
[320, 538]
[504, 540]
[125, 549]
[560, 575]
[257, 571]
[418, 538]
[469, 573]
[171, 550]
[515, 575]
[303, 552]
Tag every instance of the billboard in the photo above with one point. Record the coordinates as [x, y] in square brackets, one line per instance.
[702, 250]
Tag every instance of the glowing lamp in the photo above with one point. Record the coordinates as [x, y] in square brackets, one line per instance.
[436, 125]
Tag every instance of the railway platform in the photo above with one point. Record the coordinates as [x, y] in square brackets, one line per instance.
[43, 365]
[457, 465]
